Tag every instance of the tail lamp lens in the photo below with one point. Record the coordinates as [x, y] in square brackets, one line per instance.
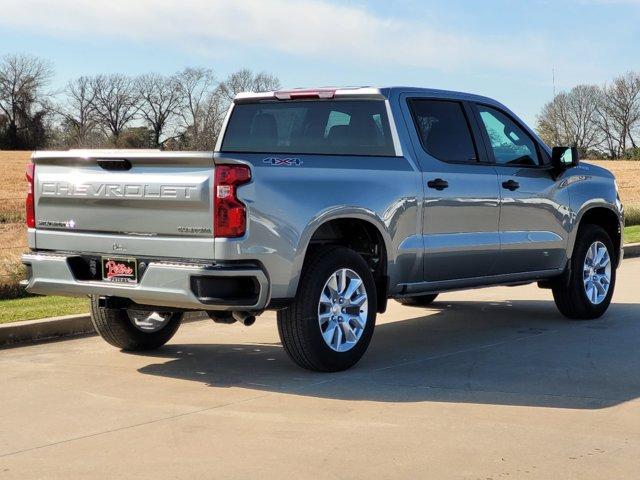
[30, 202]
[230, 215]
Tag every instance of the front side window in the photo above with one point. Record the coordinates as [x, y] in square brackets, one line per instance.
[511, 145]
[333, 127]
[443, 129]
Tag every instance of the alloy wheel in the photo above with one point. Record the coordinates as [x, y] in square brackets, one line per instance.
[342, 310]
[597, 272]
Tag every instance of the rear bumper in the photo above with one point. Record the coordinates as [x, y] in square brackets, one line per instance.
[168, 284]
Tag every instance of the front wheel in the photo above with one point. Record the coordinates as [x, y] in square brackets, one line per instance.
[592, 279]
[329, 325]
[134, 330]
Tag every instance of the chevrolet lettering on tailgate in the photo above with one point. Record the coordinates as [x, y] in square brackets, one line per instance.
[118, 190]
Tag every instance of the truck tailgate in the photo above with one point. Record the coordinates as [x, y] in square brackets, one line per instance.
[129, 202]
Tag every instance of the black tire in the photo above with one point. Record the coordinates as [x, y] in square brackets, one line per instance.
[114, 326]
[571, 299]
[419, 301]
[298, 324]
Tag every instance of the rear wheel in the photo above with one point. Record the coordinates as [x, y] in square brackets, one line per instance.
[419, 301]
[592, 279]
[329, 325]
[134, 330]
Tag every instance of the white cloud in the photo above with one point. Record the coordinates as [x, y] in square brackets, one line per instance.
[296, 27]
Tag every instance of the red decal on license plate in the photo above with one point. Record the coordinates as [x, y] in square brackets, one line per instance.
[116, 270]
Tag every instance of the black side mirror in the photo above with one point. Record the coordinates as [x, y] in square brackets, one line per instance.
[564, 157]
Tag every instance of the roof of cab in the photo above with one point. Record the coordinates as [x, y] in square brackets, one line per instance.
[379, 93]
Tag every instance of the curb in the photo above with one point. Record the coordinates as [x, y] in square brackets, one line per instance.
[16, 334]
[45, 329]
[632, 250]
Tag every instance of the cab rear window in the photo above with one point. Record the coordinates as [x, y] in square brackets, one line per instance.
[335, 127]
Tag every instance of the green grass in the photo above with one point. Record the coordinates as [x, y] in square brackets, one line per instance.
[30, 308]
[632, 234]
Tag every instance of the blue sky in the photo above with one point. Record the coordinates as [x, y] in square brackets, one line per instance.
[500, 48]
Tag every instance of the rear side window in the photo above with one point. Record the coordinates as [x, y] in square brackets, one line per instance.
[335, 127]
[443, 129]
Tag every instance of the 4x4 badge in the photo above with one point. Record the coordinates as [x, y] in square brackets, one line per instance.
[283, 162]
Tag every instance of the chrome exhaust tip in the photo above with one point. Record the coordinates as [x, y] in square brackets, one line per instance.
[245, 318]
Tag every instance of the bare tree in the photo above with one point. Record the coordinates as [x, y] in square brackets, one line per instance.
[195, 88]
[245, 80]
[549, 126]
[205, 127]
[627, 88]
[23, 100]
[116, 101]
[79, 114]
[606, 124]
[570, 119]
[160, 100]
[620, 111]
[211, 121]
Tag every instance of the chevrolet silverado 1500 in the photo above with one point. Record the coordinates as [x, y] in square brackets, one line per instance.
[322, 204]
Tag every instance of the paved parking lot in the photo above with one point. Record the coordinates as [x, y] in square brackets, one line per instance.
[486, 384]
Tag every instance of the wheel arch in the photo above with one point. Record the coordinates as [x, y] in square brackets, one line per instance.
[331, 228]
[606, 217]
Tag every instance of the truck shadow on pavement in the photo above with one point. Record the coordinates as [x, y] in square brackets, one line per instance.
[507, 353]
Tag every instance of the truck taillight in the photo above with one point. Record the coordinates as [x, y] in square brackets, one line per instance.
[230, 215]
[30, 203]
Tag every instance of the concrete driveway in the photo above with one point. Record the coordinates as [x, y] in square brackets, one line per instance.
[491, 383]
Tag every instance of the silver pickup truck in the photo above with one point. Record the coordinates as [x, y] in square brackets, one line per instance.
[322, 204]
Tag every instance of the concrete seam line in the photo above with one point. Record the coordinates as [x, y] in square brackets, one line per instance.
[136, 425]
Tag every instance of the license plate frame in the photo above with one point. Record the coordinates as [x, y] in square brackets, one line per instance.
[123, 270]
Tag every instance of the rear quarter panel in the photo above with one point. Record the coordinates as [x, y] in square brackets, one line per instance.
[287, 203]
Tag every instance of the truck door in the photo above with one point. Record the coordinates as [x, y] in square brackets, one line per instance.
[461, 201]
[533, 205]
